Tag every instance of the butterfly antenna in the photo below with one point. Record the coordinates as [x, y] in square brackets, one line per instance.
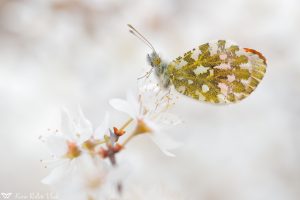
[137, 34]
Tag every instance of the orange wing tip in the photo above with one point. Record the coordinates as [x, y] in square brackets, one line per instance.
[257, 53]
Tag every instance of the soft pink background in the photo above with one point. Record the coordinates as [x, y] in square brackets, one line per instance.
[64, 53]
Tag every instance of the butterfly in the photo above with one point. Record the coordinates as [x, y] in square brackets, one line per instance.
[216, 72]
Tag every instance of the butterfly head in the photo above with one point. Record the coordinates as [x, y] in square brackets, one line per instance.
[154, 59]
[159, 66]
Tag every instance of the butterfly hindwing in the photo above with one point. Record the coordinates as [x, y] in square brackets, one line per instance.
[217, 72]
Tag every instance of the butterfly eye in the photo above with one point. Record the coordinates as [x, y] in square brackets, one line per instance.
[156, 61]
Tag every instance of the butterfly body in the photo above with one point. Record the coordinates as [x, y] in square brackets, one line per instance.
[160, 68]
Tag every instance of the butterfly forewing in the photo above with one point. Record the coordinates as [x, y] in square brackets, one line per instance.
[217, 72]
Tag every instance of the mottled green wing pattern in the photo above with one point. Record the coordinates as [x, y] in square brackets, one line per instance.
[217, 72]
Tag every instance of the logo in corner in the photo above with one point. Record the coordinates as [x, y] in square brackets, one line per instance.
[6, 195]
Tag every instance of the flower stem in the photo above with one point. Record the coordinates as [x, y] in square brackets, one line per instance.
[98, 142]
[141, 128]
[129, 138]
[126, 124]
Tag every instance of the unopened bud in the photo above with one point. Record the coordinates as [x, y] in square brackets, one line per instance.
[119, 132]
[103, 152]
[117, 147]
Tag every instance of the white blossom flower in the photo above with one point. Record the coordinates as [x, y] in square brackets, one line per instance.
[93, 180]
[149, 111]
[69, 146]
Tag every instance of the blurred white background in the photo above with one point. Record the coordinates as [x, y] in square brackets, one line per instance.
[69, 52]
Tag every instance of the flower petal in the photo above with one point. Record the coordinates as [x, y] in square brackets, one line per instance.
[89, 165]
[67, 125]
[56, 174]
[57, 144]
[102, 128]
[133, 101]
[84, 127]
[153, 126]
[164, 142]
[168, 153]
[123, 106]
